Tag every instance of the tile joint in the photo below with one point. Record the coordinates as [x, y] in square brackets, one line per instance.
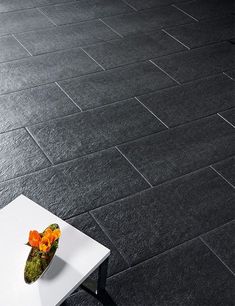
[58, 85]
[222, 176]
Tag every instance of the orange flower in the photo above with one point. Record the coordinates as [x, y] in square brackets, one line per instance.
[45, 244]
[48, 233]
[56, 234]
[34, 239]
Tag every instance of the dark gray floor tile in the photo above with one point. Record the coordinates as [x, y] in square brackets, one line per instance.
[147, 20]
[205, 32]
[191, 101]
[117, 84]
[201, 9]
[127, 50]
[19, 155]
[227, 169]
[87, 225]
[91, 131]
[85, 10]
[222, 242]
[230, 74]
[78, 186]
[63, 37]
[229, 115]
[43, 69]
[181, 150]
[140, 4]
[33, 105]
[198, 63]
[10, 49]
[81, 298]
[20, 21]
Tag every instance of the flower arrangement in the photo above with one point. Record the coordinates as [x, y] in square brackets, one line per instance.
[44, 246]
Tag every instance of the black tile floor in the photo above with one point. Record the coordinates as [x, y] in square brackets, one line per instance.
[117, 116]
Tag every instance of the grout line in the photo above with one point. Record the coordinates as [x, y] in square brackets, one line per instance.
[222, 176]
[164, 72]
[46, 16]
[206, 244]
[68, 96]
[39, 146]
[120, 35]
[151, 112]
[184, 12]
[228, 76]
[226, 120]
[133, 166]
[131, 6]
[13, 35]
[176, 39]
[92, 58]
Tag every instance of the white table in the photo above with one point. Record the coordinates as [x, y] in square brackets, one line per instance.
[76, 258]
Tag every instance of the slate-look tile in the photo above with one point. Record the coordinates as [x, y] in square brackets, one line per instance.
[178, 151]
[140, 4]
[201, 9]
[19, 155]
[230, 74]
[116, 84]
[43, 69]
[156, 220]
[87, 225]
[85, 10]
[227, 169]
[229, 115]
[198, 63]
[222, 242]
[205, 32]
[71, 36]
[33, 105]
[10, 49]
[82, 299]
[191, 101]
[78, 186]
[21, 21]
[91, 131]
[127, 50]
[147, 20]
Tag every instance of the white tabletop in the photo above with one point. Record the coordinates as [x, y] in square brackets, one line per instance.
[76, 258]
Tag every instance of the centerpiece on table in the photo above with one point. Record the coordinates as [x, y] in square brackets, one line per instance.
[44, 246]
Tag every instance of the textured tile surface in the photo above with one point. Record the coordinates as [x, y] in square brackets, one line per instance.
[95, 130]
[177, 151]
[32, 106]
[43, 69]
[20, 21]
[77, 186]
[229, 115]
[227, 169]
[125, 51]
[181, 104]
[231, 74]
[205, 32]
[64, 37]
[221, 241]
[198, 63]
[85, 10]
[10, 49]
[147, 20]
[117, 84]
[140, 4]
[19, 155]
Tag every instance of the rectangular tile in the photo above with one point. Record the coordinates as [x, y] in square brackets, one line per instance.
[127, 50]
[19, 155]
[147, 20]
[229, 115]
[227, 169]
[221, 241]
[33, 106]
[181, 150]
[140, 4]
[198, 63]
[20, 21]
[10, 49]
[84, 10]
[77, 186]
[156, 220]
[194, 100]
[201, 9]
[91, 131]
[64, 37]
[38, 70]
[205, 32]
[116, 84]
